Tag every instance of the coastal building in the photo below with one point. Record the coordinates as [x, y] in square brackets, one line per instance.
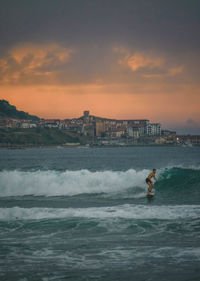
[153, 129]
[133, 132]
[12, 123]
[49, 123]
[7, 123]
[141, 122]
[168, 133]
[188, 140]
[28, 125]
[100, 128]
[164, 140]
[117, 133]
[88, 130]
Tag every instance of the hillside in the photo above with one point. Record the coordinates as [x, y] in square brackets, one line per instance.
[9, 111]
[36, 136]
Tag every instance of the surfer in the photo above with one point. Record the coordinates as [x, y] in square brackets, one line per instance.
[149, 181]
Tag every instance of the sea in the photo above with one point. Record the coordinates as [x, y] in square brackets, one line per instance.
[82, 214]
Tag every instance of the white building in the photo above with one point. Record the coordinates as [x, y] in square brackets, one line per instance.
[153, 129]
[25, 125]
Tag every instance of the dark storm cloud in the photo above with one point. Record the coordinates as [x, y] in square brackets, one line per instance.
[170, 24]
[156, 30]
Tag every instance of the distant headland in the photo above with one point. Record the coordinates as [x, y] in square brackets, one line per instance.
[19, 129]
[9, 111]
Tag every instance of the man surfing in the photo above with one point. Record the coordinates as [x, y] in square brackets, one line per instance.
[149, 181]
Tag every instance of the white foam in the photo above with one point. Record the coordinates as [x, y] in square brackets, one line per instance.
[55, 183]
[122, 211]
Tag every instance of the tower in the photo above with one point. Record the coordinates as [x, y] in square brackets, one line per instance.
[86, 115]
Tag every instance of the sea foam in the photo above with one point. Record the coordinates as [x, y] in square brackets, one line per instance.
[68, 183]
[127, 211]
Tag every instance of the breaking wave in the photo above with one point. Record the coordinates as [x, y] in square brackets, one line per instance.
[54, 183]
[69, 183]
[126, 211]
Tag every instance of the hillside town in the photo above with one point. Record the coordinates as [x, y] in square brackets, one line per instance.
[93, 130]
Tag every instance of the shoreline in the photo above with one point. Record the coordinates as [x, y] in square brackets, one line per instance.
[15, 147]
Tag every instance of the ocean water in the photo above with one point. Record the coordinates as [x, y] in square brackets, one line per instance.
[82, 214]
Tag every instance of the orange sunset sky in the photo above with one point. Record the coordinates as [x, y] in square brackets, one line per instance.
[118, 59]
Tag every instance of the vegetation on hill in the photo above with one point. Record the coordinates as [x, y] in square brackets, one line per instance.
[9, 111]
[36, 136]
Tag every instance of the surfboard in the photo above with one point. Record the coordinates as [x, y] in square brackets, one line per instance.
[150, 195]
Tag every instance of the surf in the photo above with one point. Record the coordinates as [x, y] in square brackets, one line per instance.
[70, 183]
[126, 211]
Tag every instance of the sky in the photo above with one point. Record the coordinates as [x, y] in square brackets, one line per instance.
[123, 59]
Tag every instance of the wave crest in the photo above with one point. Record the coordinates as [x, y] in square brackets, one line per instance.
[69, 183]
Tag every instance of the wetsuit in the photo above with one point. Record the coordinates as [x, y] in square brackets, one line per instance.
[148, 180]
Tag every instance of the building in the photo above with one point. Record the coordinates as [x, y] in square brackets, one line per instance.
[86, 116]
[100, 128]
[167, 133]
[153, 129]
[28, 125]
[117, 133]
[188, 140]
[133, 132]
[141, 122]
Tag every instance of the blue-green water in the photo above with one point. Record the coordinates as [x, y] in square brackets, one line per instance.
[83, 214]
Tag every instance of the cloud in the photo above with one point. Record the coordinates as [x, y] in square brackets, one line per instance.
[148, 65]
[138, 60]
[153, 75]
[171, 72]
[28, 62]
[3, 65]
[38, 54]
[176, 70]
